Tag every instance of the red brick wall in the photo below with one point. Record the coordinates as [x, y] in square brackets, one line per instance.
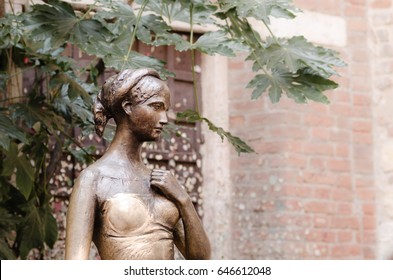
[308, 193]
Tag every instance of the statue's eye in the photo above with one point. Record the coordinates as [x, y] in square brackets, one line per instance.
[157, 106]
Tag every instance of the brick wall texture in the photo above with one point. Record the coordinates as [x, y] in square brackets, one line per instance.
[311, 191]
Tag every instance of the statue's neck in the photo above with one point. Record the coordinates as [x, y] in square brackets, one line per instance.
[125, 146]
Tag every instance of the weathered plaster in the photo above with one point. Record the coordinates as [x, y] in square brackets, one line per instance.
[215, 157]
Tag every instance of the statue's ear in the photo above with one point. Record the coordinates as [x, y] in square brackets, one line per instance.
[126, 104]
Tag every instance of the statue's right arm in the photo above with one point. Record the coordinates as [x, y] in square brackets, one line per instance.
[80, 217]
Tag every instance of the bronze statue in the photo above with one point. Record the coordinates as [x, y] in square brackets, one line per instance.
[127, 210]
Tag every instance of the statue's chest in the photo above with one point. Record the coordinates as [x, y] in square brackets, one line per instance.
[127, 206]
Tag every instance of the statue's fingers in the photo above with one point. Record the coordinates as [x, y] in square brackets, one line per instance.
[156, 182]
[159, 171]
[157, 177]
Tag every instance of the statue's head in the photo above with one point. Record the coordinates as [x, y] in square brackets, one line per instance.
[123, 97]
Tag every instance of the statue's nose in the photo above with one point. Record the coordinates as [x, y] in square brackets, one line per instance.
[163, 118]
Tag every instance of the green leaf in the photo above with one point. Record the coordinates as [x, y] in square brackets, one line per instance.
[173, 39]
[4, 141]
[31, 233]
[118, 17]
[279, 82]
[312, 86]
[261, 83]
[180, 10]
[24, 176]
[261, 9]
[170, 130]
[144, 35]
[87, 31]
[37, 111]
[299, 86]
[57, 21]
[238, 144]
[10, 31]
[50, 227]
[74, 89]
[8, 223]
[189, 116]
[70, 98]
[154, 23]
[62, 6]
[297, 53]
[6, 252]
[85, 155]
[78, 108]
[120, 59]
[24, 170]
[49, 20]
[9, 131]
[9, 164]
[123, 20]
[217, 42]
[39, 226]
[275, 92]
[316, 96]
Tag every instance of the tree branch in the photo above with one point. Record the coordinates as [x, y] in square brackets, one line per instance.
[2, 8]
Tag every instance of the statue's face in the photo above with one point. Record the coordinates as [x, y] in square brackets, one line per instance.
[148, 118]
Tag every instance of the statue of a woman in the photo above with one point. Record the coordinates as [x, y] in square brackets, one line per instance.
[127, 210]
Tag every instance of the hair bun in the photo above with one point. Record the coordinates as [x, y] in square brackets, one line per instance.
[101, 115]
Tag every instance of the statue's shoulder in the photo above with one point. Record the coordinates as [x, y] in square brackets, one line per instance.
[89, 175]
[98, 170]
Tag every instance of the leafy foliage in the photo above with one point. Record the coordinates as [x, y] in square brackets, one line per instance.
[36, 128]
[292, 66]
[296, 53]
[9, 131]
[217, 42]
[58, 21]
[261, 10]
[193, 116]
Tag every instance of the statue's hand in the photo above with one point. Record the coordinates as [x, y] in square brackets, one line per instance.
[165, 182]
